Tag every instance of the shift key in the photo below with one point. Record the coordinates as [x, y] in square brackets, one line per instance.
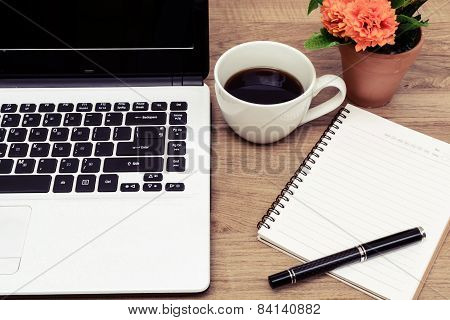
[134, 164]
[146, 118]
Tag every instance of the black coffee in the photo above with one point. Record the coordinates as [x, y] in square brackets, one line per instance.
[264, 86]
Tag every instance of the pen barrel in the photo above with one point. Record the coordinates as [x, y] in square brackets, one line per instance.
[392, 242]
[315, 267]
[326, 264]
[356, 254]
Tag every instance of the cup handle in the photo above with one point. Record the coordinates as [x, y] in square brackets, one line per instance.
[330, 105]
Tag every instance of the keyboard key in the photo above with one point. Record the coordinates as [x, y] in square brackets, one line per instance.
[114, 119]
[103, 107]
[146, 118]
[108, 183]
[52, 120]
[151, 147]
[69, 165]
[140, 106]
[3, 147]
[47, 166]
[152, 187]
[18, 150]
[80, 134]
[176, 164]
[104, 149]
[86, 183]
[5, 167]
[9, 108]
[59, 134]
[27, 107]
[159, 106]
[176, 148]
[17, 135]
[47, 107]
[25, 184]
[11, 120]
[82, 149]
[178, 106]
[63, 184]
[93, 119]
[40, 150]
[65, 107]
[31, 120]
[38, 134]
[91, 165]
[153, 177]
[129, 187]
[101, 134]
[73, 119]
[135, 164]
[2, 134]
[25, 166]
[122, 134]
[84, 107]
[175, 187]
[146, 133]
[177, 133]
[122, 106]
[61, 150]
[178, 118]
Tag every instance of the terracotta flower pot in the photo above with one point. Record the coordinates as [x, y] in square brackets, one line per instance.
[372, 79]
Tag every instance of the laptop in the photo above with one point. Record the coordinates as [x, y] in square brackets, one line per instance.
[104, 147]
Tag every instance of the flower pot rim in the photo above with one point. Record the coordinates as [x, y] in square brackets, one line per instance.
[389, 56]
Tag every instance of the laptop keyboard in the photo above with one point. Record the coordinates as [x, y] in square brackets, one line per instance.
[86, 147]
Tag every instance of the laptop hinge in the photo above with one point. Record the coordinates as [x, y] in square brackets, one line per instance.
[192, 81]
[102, 82]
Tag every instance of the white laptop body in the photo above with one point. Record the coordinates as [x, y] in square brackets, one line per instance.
[152, 233]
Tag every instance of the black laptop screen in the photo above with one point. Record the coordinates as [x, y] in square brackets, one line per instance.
[95, 24]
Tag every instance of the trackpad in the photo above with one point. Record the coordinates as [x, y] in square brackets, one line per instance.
[13, 230]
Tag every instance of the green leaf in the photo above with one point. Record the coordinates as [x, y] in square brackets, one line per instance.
[320, 41]
[395, 4]
[325, 33]
[411, 7]
[330, 37]
[409, 23]
[313, 5]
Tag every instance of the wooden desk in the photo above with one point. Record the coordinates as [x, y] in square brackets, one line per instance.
[247, 177]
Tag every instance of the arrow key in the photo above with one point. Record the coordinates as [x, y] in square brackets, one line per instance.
[175, 187]
[129, 187]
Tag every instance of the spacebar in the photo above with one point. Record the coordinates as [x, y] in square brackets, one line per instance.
[25, 184]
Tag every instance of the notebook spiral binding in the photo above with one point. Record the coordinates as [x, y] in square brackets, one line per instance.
[306, 164]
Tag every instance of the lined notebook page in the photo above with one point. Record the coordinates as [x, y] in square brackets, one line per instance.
[374, 178]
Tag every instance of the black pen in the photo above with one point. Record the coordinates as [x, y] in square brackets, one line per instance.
[359, 253]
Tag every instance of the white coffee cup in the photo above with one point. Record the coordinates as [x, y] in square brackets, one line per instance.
[270, 123]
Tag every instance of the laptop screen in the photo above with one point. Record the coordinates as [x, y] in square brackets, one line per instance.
[96, 24]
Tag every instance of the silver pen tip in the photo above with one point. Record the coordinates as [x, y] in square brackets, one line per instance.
[422, 232]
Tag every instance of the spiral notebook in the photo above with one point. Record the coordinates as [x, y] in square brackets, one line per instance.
[366, 178]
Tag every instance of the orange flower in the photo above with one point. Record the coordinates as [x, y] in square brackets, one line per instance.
[370, 23]
[333, 16]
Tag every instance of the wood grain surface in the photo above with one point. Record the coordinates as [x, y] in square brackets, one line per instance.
[247, 177]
